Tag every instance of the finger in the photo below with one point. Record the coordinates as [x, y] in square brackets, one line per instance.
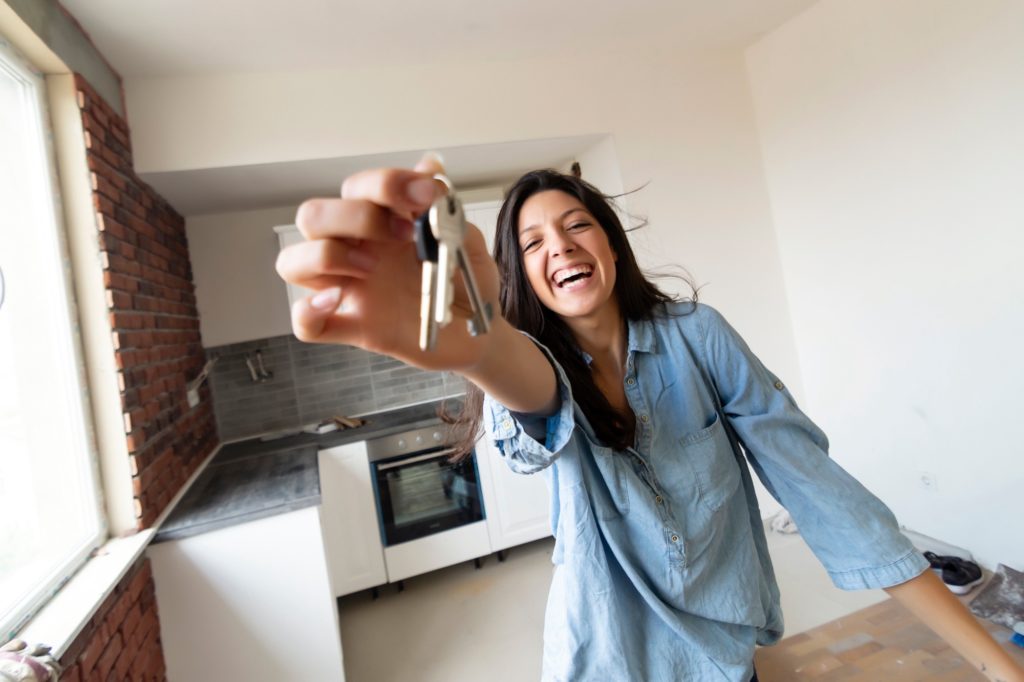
[308, 261]
[403, 191]
[431, 163]
[322, 318]
[309, 314]
[355, 218]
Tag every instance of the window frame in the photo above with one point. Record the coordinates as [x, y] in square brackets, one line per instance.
[35, 93]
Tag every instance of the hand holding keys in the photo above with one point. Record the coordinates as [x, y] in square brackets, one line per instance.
[439, 235]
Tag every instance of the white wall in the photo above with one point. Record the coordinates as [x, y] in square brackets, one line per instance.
[683, 122]
[238, 293]
[893, 141]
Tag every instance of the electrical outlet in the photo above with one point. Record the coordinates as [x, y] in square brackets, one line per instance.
[926, 479]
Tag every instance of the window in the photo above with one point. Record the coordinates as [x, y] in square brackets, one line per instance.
[50, 505]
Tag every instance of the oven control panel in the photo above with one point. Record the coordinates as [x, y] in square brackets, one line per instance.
[425, 438]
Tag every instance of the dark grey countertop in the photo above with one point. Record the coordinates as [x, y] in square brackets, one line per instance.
[253, 479]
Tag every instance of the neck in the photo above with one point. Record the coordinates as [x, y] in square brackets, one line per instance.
[602, 336]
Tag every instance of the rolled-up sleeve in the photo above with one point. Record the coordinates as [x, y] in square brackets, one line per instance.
[853, 533]
[530, 443]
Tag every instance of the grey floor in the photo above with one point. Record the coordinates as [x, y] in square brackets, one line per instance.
[461, 624]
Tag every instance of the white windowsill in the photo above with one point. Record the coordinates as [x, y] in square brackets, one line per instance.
[67, 612]
[59, 622]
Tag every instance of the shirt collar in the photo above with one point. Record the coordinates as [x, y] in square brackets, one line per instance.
[641, 336]
[640, 339]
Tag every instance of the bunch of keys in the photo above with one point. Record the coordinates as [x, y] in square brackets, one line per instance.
[439, 235]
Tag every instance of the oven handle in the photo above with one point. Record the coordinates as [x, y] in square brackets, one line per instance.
[416, 458]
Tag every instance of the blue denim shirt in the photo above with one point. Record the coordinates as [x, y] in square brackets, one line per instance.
[661, 564]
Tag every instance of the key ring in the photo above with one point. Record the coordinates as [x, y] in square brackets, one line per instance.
[450, 195]
[442, 178]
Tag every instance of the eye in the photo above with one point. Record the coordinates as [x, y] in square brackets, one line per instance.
[578, 226]
[530, 244]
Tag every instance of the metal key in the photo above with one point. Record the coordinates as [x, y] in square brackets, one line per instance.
[441, 256]
[426, 251]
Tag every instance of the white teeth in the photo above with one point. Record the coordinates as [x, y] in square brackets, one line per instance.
[565, 274]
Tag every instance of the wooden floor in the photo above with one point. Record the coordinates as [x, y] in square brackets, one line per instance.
[882, 643]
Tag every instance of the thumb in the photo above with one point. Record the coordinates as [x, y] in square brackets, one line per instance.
[431, 163]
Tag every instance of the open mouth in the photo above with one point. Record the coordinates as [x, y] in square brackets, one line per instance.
[571, 275]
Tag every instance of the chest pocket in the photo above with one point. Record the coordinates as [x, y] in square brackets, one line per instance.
[709, 460]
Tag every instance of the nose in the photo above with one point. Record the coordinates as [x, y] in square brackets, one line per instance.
[560, 244]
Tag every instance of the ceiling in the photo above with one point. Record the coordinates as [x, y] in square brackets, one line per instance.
[144, 39]
[238, 188]
[175, 37]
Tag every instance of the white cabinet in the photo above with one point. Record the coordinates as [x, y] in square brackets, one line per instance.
[286, 236]
[484, 215]
[348, 512]
[517, 505]
[248, 602]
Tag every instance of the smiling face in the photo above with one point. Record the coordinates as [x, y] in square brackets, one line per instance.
[566, 255]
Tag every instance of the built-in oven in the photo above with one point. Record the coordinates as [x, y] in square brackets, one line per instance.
[430, 509]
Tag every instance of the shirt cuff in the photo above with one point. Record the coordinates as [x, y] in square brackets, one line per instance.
[907, 567]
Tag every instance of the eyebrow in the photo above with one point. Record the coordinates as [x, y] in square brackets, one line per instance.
[561, 217]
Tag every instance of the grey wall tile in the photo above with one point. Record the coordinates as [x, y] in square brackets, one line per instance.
[312, 382]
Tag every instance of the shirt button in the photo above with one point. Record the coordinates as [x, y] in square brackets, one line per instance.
[658, 499]
[778, 385]
[631, 381]
[644, 418]
[507, 423]
[675, 538]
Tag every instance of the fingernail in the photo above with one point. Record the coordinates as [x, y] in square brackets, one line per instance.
[326, 300]
[400, 227]
[421, 191]
[429, 158]
[362, 260]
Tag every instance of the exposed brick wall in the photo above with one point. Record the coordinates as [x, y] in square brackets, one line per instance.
[122, 640]
[152, 309]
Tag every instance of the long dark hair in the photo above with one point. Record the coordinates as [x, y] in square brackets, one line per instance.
[638, 298]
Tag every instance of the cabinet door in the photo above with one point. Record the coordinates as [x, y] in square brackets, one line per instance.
[348, 513]
[518, 505]
[229, 598]
[485, 216]
[286, 236]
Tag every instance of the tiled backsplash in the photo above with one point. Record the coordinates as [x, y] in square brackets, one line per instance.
[311, 382]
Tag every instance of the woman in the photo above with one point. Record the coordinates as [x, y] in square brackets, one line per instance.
[635, 407]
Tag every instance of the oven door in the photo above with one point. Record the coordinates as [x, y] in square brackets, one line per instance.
[423, 493]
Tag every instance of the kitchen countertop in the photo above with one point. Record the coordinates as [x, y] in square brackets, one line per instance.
[253, 479]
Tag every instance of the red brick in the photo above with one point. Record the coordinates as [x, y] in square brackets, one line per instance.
[101, 116]
[91, 654]
[134, 620]
[124, 662]
[108, 657]
[103, 204]
[115, 615]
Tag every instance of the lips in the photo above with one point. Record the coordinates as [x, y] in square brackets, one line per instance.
[572, 274]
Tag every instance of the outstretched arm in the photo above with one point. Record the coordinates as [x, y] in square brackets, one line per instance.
[928, 598]
[360, 258]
